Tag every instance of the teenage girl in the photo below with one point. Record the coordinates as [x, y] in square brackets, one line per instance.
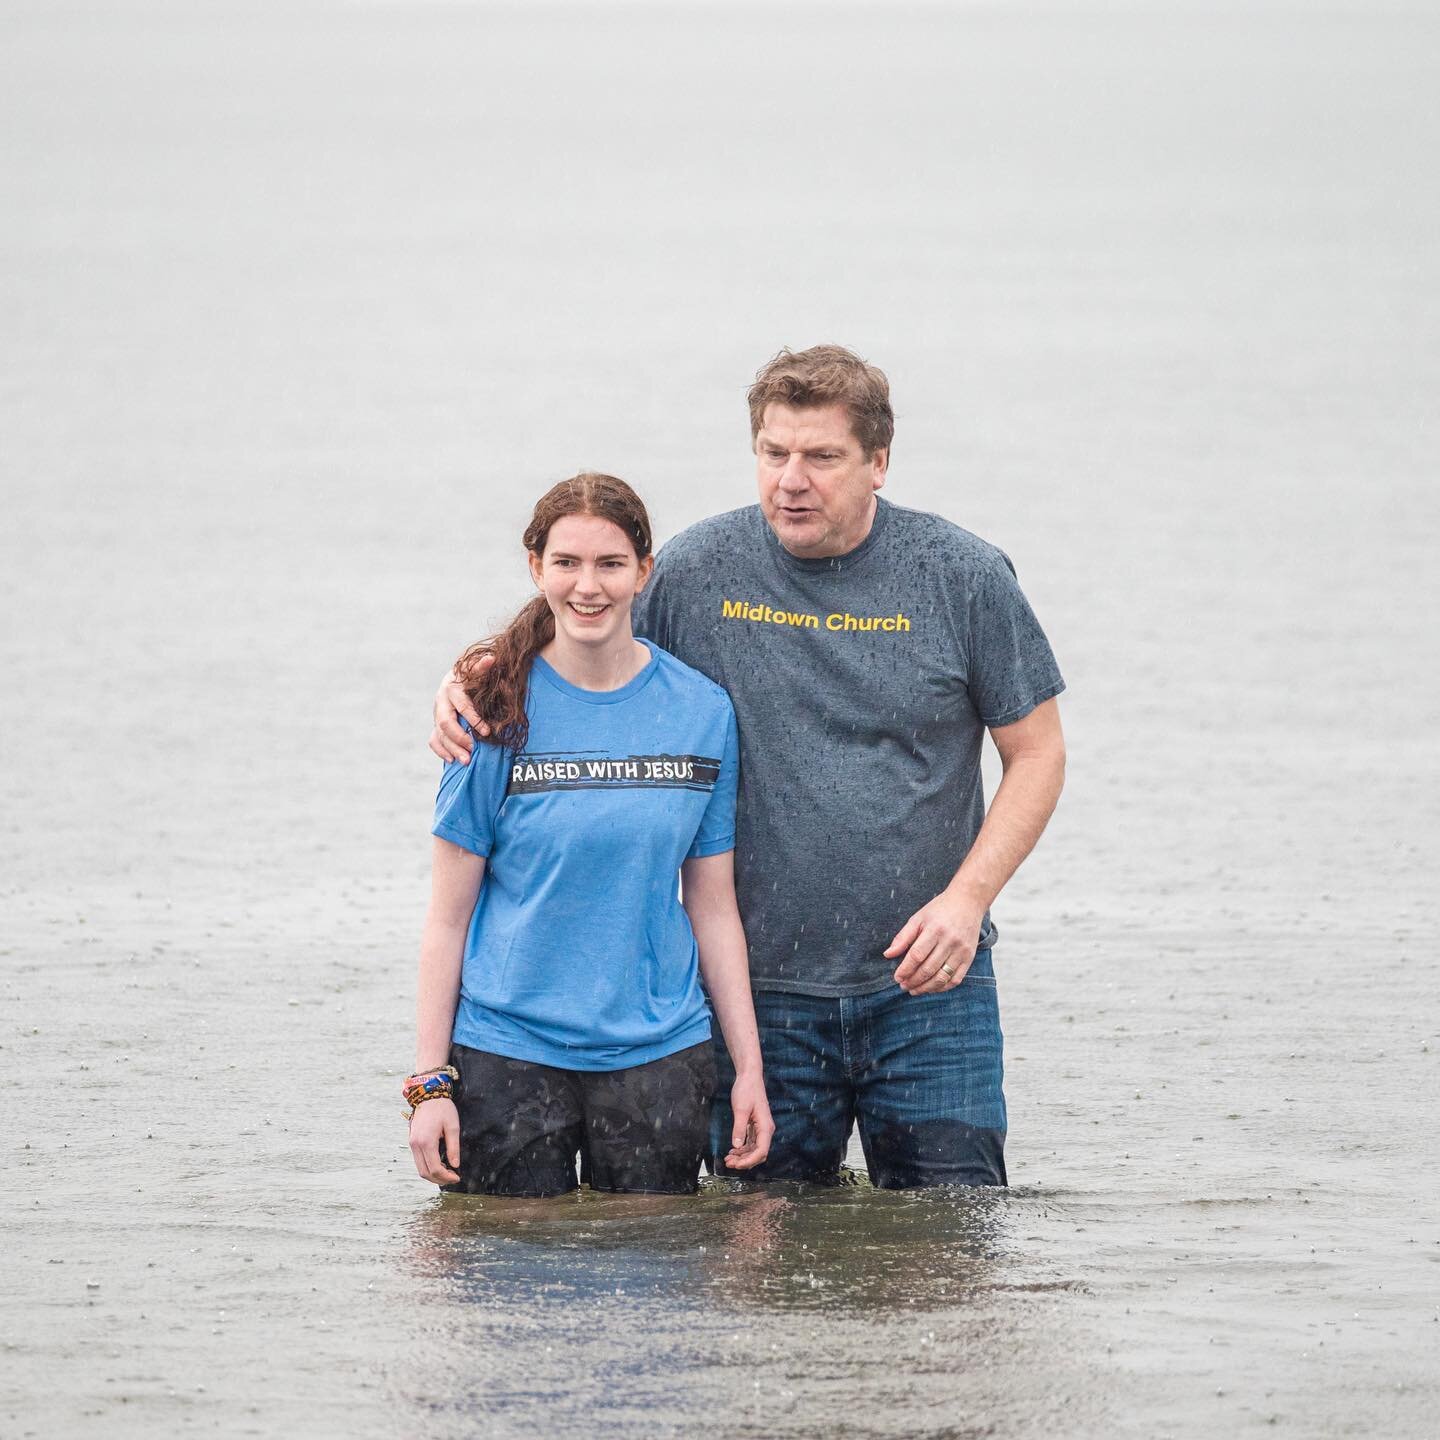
[560, 1009]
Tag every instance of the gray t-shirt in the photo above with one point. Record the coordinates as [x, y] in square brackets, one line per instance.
[863, 685]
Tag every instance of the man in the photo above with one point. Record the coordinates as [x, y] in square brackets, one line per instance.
[867, 649]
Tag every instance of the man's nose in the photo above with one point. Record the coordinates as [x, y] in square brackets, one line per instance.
[793, 476]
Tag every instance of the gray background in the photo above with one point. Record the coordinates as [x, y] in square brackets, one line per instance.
[302, 304]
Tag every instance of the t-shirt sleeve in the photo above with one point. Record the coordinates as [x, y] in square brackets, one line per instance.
[1011, 666]
[470, 798]
[717, 826]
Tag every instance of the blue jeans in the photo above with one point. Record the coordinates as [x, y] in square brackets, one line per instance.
[920, 1073]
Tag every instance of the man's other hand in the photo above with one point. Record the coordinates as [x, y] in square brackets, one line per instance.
[938, 942]
[448, 739]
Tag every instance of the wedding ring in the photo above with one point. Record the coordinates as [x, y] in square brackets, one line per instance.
[948, 971]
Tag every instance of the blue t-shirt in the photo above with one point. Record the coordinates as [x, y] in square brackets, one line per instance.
[579, 954]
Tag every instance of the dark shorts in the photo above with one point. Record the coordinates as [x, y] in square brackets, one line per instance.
[920, 1075]
[640, 1130]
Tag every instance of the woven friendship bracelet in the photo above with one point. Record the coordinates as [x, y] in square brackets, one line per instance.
[419, 1100]
[429, 1085]
[427, 1090]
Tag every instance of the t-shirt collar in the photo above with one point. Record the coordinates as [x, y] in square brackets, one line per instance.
[830, 564]
[546, 671]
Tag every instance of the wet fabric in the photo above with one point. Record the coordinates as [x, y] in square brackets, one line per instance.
[637, 1130]
[578, 952]
[864, 685]
[921, 1076]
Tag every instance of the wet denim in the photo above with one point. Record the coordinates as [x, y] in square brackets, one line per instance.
[920, 1074]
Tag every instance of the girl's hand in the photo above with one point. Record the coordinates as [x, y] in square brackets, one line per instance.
[432, 1122]
[753, 1128]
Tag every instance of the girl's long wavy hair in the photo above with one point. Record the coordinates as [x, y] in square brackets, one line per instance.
[497, 690]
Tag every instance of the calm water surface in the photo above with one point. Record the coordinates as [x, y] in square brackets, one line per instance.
[302, 305]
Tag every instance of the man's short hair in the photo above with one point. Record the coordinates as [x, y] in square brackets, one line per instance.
[827, 375]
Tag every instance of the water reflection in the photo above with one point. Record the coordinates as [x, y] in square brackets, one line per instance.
[778, 1248]
[790, 1310]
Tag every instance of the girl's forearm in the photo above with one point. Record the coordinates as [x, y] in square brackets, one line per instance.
[725, 968]
[437, 992]
[455, 879]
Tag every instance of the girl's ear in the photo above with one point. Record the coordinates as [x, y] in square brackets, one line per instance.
[646, 566]
[537, 569]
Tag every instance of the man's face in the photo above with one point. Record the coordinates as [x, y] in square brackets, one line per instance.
[817, 488]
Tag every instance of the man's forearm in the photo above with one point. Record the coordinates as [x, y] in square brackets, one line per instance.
[937, 942]
[1023, 804]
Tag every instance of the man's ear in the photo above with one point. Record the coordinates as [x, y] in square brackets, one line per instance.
[647, 568]
[880, 463]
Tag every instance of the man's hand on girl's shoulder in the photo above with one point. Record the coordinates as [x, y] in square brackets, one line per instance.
[449, 739]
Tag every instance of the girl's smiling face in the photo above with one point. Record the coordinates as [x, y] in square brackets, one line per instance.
[590, 576]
